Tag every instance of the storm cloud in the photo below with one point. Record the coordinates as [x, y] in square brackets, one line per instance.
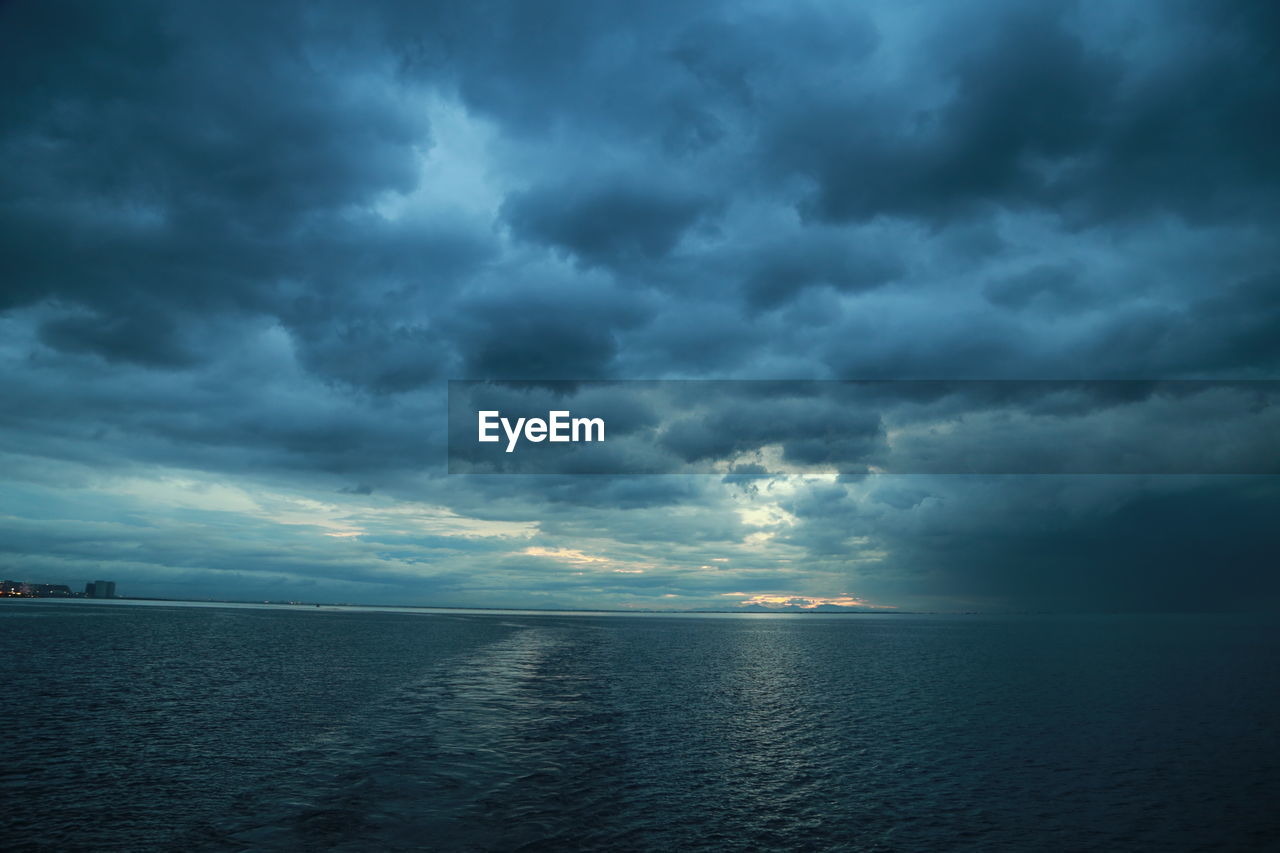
[243, 246]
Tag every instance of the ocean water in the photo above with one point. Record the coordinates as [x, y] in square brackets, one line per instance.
[232, 728]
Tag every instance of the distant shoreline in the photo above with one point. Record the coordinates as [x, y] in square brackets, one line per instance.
[427, 608]
[535, 611]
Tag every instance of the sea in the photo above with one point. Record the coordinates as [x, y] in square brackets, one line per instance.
[223, 727]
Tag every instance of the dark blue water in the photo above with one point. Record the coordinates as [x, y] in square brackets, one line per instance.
[130, 727]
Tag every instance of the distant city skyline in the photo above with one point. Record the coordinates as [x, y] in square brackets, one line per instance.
[46, 589]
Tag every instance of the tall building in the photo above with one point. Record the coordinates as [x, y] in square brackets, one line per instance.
[100, 589]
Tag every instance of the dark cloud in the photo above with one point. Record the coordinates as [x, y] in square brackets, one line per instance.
[1026, 94]
[540, 334]
[142, 336]
[1038, 116]
[1191, 130]
[810, 432]
[609, 223]
[242, 247]
[1199, 545]
[1056, 289]
[783, 268]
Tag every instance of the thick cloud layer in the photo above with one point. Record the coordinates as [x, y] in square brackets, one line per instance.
[243, 245]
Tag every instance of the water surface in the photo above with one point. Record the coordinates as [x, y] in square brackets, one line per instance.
[223, 728]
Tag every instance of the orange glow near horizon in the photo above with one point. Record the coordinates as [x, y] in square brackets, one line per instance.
[804, 602]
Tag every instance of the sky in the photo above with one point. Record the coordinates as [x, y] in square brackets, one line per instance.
[244, 247]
